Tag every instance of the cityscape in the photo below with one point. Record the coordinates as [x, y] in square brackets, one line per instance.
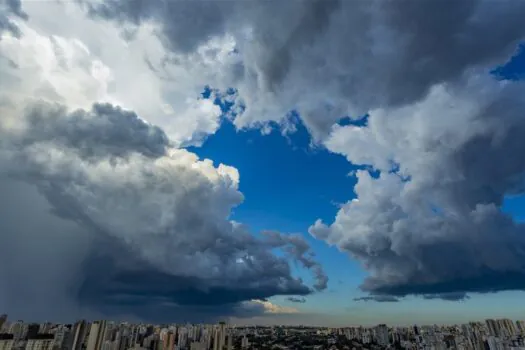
[490, 334]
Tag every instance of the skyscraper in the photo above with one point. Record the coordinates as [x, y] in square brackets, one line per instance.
[381, 333]
[96, 335]
[78, 335]
[3, 320]
[219, 336]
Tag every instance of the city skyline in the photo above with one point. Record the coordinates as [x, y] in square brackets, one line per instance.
[324, 162]
[106, 335]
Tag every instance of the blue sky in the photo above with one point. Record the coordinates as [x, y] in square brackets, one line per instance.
[288, 183]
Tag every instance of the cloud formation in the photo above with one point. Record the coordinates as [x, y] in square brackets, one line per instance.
[441, 131]
[155, 217]
[444, 136]
[378, 298]
[331, 58]
[11, 8]
[431, 222]
[296, 299]
[438, 125]
[448, 296]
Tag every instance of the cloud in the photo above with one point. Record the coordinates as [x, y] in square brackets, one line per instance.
[331, 58]
[431, 223]
[9, 9]
[297, 247]
[443, 135]
[78, 62]
[296, 299]
[153, 222]
[271, 308]
[378, 298]
[447, 296]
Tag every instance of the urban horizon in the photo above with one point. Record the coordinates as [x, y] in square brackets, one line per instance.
[106, 335]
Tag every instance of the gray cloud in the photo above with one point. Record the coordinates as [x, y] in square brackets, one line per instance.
[297, 299]
[378, 298]
[431, 223]
[445, 137]
[156, 219]
[447, 296]
[10, 8]
[297, 247]
[106, 130]
[330, 58]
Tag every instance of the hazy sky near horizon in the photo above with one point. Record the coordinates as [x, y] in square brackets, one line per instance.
[323, 162]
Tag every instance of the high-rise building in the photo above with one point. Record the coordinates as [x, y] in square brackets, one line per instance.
[61, 336]
[77, 336]
[381, 333]
[508, 327]
[40, 342]
[6, 341]
[244, 342]
[229, 345]
[493, 327]
[32, 330]
[45, 327]
[521, 327]
[97, 334]
[3, 320]
[17, 330]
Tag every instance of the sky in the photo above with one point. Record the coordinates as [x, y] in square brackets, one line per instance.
[320, 161]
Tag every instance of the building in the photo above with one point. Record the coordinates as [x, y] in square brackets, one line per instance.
[493, 327]
[381, 334]
[32, 330]
[40, 342]
[6, 341]
[219, 337]
[97, 334]
[521, 327]
[3, 321]
[77, 336]
[245, 343]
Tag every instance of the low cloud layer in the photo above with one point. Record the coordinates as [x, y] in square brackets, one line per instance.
[296, 299]
[155, 218]
[378, 298]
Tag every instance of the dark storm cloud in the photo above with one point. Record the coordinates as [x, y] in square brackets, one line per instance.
[185, 23]
[329, 58]
[11, 8]
[103, 131]
[156, 219]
